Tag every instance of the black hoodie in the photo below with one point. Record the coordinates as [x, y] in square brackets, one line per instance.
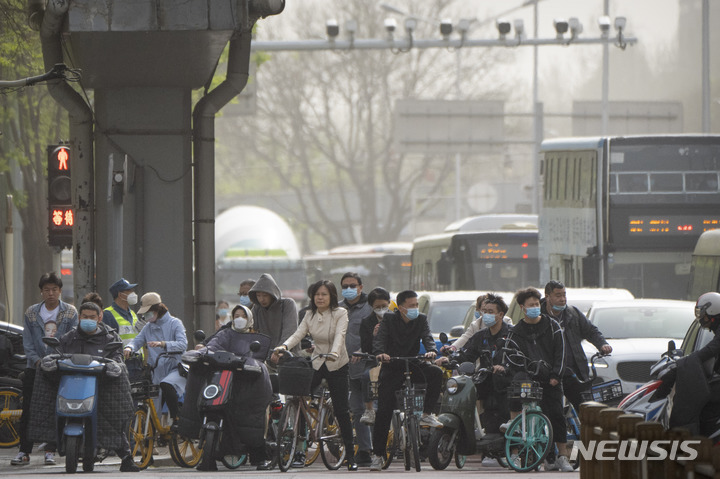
[543, 340]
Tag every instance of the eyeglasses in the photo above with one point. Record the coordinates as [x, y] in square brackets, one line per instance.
[351, 286]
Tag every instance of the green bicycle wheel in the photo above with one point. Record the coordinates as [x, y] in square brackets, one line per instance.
[533, 446]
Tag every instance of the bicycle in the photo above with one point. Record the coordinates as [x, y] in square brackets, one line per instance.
[404, 433]
[319, 426]
[602, 392]
[148, 428]
[530, 433]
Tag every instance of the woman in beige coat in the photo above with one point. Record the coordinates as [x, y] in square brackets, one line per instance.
[327, 323]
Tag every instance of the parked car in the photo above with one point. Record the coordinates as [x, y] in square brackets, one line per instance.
[638, 331]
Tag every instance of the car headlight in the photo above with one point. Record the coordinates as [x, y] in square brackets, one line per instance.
[452, 386]
[75, 406]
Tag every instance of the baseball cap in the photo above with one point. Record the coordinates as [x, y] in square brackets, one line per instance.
[148, 300]
[121, 285]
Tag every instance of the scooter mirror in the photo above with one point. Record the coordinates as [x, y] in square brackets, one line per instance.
[52, 342]
[443, 338]
[671, 346]
[199, 335]
[255, 346]
[457, 331]
[466, 368]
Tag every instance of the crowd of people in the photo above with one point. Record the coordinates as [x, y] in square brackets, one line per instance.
[338, 325]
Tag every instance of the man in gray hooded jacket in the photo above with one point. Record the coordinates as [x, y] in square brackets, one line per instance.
[274, 316]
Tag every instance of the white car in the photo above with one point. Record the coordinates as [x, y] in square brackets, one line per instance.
[638, 331]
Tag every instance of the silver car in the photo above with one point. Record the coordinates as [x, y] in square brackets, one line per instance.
[638, 331]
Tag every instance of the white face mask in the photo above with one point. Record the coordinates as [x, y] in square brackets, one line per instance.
[150, 317]
[380, 312]
[132, 299]
[239, 323]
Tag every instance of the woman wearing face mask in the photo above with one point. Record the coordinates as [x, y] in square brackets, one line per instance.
[162, 333]
[249, 395]
[540, 337]
[222, 314]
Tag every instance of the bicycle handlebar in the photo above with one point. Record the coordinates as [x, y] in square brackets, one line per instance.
[593, 371]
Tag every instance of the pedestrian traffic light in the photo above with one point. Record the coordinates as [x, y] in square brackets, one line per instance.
[60, 212]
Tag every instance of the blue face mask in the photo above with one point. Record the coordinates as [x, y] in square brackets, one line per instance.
[350, 293]
[489, 319]
[557, 307]
[88, 325]
[412, 313]
[245, 300]
[223, 312]
[477, 314]
[532, 313]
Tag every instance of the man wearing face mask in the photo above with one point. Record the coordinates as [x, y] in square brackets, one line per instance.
[119, 316]
[115, 404]
[400, 334]
[539, 337]
[379, 301]
[243, 291]
[576, 327]
[487, 345]
[356, 303]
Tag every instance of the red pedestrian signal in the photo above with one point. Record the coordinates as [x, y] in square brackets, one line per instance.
[60, 212]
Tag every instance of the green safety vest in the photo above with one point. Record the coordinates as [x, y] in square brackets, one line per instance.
[126, 330]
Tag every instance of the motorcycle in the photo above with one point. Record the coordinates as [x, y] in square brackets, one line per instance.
[216, 395]
[76, 406]
[462, 434]
[654, 400]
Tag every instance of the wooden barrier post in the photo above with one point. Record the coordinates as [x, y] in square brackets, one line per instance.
[608, 424]
[589, 420]
[673, 469]
[648, 432]
[626, 469]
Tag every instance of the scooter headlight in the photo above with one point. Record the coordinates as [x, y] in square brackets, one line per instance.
[211, 392]
[75, 406]
[452, 386]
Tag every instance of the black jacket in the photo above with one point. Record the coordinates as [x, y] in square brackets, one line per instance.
[396, 338]
[483, 341]
[366, 333]
[543, 340]
[576, 327]
[78, 342]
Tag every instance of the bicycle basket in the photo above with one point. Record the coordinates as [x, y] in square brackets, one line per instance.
[604, 392]
[294, 377]
[144, 390]
[373, 390]
[413, 399]
[525, 390]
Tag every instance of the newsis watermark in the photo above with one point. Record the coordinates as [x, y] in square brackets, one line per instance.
[634, 450]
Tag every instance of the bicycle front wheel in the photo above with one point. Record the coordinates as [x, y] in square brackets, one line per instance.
[413, 430]
[183, 451]
[532, 446]
[393, 443]
[332, 447]
[287, 436]
[142, 441]
[11, 403]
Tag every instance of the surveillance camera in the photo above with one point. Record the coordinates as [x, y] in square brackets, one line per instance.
[620, 23]
[604, 23]
[446, 27]
[519, 26]
[576, 27]
[390, 25]
[332, 29]
[561, 26]
[503, 26]
[410, 24]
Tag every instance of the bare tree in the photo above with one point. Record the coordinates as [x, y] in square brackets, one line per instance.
[324, 128]
[29, 120]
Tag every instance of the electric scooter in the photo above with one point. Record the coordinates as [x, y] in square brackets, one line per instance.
[76, 406]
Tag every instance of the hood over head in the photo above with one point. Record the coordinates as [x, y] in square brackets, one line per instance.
[265, 284]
